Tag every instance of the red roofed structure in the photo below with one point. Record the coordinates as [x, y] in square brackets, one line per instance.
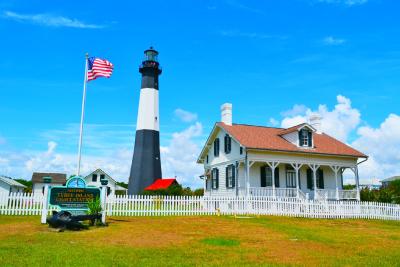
[161, 184]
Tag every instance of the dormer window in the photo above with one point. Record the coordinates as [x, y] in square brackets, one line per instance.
[305, 138]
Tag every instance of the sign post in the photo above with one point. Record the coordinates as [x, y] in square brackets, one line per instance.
[45, 205]
[103, 200]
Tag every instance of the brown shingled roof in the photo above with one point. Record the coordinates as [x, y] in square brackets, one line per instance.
[57, 178]
[268, 138]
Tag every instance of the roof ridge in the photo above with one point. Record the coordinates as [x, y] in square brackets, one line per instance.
[252, 125]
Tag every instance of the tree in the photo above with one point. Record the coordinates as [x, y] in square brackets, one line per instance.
[28, 185]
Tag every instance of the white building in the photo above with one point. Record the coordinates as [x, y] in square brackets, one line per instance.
[95, 177]
[242, 160]
[8, 185]
[57, 179]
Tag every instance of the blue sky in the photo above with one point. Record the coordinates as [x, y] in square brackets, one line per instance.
[276, 61]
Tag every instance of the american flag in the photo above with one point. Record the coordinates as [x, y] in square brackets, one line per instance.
[98, 67]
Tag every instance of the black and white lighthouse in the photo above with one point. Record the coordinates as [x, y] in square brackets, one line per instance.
[146, 165]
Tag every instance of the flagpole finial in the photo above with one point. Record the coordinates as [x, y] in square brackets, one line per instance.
[87, 55]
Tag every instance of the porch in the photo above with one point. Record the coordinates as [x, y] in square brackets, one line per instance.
[303, 180]
[320, 194]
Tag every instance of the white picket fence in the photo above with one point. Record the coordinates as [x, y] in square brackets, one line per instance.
[21, 204]
[28, 204]
[182, 206]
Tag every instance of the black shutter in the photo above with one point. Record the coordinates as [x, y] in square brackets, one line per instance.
[309, 179]
[300, 137]
[263, 176]
[321, 179]
[233, 175]
[230, 144]
[216, 147]
[226, 177]
[277, 177]
[225, 144]
[217, 174]
[310, 139]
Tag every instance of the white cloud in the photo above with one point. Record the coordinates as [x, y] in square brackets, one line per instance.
[339, 122]
[185, 116]
[180, 156]
[383, 145]
[344, 2]
[50, 20]
[297, 109]
[330, 40]
[99, 151]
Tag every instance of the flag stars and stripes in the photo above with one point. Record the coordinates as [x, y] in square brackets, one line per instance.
[98, 67]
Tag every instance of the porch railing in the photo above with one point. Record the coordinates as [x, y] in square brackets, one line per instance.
[269, 192]
[333, 194]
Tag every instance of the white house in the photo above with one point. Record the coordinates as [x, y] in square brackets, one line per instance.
[95, 177]
[9, 185]
[57, 179]
[300, 161]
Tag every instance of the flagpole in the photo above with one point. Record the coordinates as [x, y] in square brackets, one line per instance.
[82, 115]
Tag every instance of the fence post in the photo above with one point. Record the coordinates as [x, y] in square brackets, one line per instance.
[103, 200]
[46, 181]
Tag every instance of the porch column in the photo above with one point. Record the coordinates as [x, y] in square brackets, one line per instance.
[237, 164]
[335, 169]
[314, 168]
[296, 167]
[273, 166]
[357, 182]
[247, 178]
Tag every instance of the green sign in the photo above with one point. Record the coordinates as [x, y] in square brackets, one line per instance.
[73, 198]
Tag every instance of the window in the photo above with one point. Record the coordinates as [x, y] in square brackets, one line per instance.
[207, 159]
[320, 179]
[214, 178]
[230, 176]
[290, 177]
[94, 178]
[241, 150]
[216, 147]
[305, 138]
[102, 177]
[108, 190]
[227, 144]
[266, 176]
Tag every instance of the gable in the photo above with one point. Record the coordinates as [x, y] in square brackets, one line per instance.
[215, 132]
[100, 171]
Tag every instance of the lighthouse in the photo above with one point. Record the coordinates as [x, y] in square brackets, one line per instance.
[146, 165]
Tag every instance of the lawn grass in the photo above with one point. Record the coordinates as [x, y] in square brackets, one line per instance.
[211, 241]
